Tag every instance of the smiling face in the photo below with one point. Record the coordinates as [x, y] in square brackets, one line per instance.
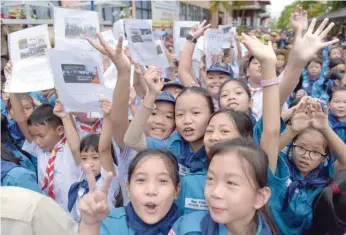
[192, 112]
[221, 127]
[214, 81]
[230, 192]
[161, 120]
[311, 140]
[233, 96]
[337, 104]
[151, 189]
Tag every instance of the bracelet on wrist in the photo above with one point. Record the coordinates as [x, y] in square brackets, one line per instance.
[153, 106]
[266, 83]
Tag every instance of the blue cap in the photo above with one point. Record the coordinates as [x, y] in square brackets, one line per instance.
[173, 84]
[165, 96]
[221, 67]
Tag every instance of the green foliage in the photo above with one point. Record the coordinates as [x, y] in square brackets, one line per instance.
[214, 5]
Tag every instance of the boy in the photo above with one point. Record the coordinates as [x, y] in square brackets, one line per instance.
[45, 139]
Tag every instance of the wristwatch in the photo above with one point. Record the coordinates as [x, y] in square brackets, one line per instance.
[189, 37]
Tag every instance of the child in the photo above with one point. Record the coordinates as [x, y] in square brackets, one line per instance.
[174, 88]
[192, 110]
[335, 53]
[236, 95]
[57, 169]
[337, 114]
[236, 196]
[13, 174]
[281, 60]
[95, 151]
[223, 125]
[330, 206]
[153, 184]
[86, 125]
[303, 170]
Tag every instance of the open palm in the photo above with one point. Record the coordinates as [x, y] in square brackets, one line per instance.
[258, 49]
[319, 117]
[299, 19]
[309, 44]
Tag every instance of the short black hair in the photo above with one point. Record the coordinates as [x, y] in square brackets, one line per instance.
[44, 115]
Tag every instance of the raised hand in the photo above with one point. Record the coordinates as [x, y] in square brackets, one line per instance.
[198, 30]
[8, 70]
[153, 79]
[116, 55]
[59, 109]
[306, 46]
[106, 106]
[262, 52]
[299, 19]
[319, 117]
[93, 206]
[133, 96]
[300, 119]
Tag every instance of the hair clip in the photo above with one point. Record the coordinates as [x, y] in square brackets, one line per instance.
[335, 188]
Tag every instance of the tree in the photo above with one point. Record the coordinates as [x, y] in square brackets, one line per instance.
[227, 5]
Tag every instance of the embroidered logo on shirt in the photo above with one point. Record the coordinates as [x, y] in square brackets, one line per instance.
[183, 170]
[197, 204]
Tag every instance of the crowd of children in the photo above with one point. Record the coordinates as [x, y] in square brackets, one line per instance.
[257, 152]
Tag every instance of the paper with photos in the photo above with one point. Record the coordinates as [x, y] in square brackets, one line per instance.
[227, 34]
[78, 80]
[28, 52]
[72, 27]
[212, 45]
[141, 42]
[109, 37]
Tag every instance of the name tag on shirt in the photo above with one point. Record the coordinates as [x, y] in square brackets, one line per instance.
[183, 170]
[197, 204]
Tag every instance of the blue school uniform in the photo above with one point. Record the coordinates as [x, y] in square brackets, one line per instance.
[26, 160]
[14, 175]
[258, 129]
[189, 161]
[200, 223]
[125, 221]
[191, 196]
[293, 195]
[39, 96]
[338, 127]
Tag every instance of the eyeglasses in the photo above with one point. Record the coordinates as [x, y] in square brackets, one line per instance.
[314, 155]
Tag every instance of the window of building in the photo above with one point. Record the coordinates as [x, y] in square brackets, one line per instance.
[182, 11]
[143, 9]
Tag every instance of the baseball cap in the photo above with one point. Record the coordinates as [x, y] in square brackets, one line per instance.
[221, 67]
[173, 84]
[165, 96]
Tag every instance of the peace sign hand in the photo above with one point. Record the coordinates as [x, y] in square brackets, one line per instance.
[198, 30]
[117, 55]
[93, 206]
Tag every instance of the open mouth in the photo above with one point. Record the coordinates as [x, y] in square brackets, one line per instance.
[150, 207]
[188, 131]
[158, 130]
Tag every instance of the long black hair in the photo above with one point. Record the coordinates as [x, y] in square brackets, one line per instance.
[329, 210]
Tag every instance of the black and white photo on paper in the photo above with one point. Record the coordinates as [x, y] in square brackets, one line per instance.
[76, 29]
[32, 47]
[184, 31]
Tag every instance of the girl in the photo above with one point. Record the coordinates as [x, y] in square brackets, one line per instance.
[236, 95]
[192, 110]
[337, 114]
[281, 60]
[330, 206]
[153, 184]
[13, 174]
[96, 152]
[300, 173]
[228, 124]
[236, 196]
[223, 125]
[335, 53]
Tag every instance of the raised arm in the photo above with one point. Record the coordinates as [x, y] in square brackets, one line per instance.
[319, 120]
[71, 133]
[17, 107]
[119, 113]
[105, 143]
[185, 65]
[271, 103]
[135, 137]
[304, 49]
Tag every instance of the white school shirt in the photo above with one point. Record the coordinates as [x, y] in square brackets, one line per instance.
[257, 99]
[112, 191]
[66, 172]
[83, 133]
